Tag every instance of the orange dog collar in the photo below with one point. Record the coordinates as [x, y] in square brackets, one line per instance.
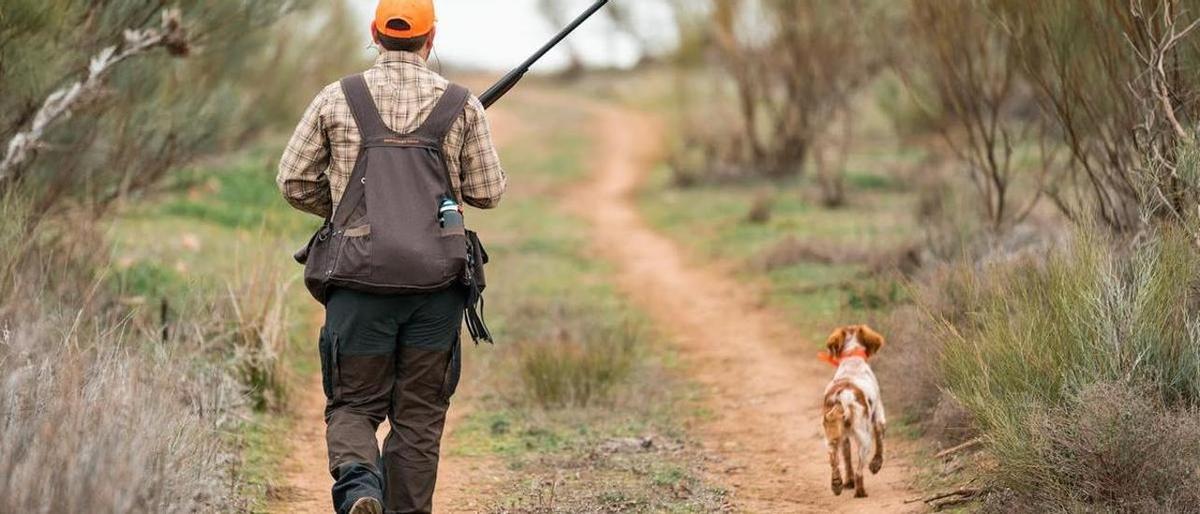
[825, 356]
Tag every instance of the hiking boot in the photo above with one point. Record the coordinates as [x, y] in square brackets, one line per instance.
[367, 506]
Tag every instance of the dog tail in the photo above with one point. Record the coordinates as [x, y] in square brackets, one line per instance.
[836, 410]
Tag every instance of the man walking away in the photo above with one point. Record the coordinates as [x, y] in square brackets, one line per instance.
[389, 346]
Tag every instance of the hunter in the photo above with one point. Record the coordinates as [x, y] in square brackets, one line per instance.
[386, 263]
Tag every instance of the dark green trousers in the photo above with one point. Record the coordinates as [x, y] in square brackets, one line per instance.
[394, 358]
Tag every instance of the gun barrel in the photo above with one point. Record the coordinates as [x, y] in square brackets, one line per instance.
[505, 84]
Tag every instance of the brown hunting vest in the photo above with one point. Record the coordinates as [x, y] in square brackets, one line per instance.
[385, 236]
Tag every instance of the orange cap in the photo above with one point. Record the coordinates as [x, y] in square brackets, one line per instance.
[408, 18]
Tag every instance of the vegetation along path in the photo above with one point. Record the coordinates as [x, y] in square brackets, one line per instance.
[762, 383]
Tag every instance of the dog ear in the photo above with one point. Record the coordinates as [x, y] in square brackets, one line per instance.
[871, 339]
[835, 342]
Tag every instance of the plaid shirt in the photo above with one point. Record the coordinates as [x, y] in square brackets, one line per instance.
[319, 159]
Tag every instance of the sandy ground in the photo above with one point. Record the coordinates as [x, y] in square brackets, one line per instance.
[764, 395]
[764, 434]
[464, 484]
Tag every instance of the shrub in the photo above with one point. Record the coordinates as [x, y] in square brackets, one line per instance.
[257, 316]
[1113, 447]
[1029, 346]
[1116, 79]
[232, 70]
[137, 118]
[1039, 332]
[963, 61]
[576, 358]
[108, 418]
[794, 68]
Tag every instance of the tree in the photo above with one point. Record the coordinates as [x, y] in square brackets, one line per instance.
[964, 59]
[1119, 80]
[795, 68]
[113, 107]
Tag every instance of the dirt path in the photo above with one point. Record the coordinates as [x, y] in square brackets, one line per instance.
[464, 483]
[763, 383]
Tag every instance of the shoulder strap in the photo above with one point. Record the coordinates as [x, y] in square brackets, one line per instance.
[366, 113]
[447, 110]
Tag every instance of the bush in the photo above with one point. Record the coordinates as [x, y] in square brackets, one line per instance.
[1113, 447]
[237, 70]
[1033, 349]
[1115, 78]
[962, 61]
[108, 418]
[576, 358]
[793, 69]
[257, 316]
[1041, 331]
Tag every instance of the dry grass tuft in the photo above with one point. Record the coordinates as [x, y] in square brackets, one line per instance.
[792, 251]
[1114, 448]
[760, 210]
[258, 322]
[107, 418]
[574, 358]
[1074, 368]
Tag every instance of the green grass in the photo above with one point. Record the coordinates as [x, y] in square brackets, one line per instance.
[712, 222]
[1077, 369]
[571, 370]
[215, 225]
[262, 456]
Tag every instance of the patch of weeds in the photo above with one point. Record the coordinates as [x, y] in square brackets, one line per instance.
[578, 369]
[866, 181]
[147, 281]
[874, 294]
[507, 433]
[668, 475]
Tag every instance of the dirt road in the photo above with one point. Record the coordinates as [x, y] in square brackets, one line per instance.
[464, 484]
[763, 383]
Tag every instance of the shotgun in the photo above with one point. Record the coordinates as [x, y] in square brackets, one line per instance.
[499, 89]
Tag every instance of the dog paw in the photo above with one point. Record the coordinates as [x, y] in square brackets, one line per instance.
[876, 463]
[836, 485]
[860, 493]
[850, 483]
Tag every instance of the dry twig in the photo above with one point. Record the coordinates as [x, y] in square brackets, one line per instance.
[64, 101]
[955, 449]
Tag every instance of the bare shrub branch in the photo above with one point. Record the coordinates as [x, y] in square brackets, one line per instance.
[1119, 80]
[60, 104]
[793, 69]
[965, 59]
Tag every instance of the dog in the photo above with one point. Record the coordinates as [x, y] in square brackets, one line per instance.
[852, 410]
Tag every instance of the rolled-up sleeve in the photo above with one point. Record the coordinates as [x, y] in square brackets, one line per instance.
[302, 174]
[483, 179]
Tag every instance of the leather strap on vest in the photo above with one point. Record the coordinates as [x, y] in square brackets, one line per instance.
[370, 124]
[366, 113]
[444, 114]
[371, 127]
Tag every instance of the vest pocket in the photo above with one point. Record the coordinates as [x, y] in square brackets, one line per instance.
[354, 259]
[454, 251]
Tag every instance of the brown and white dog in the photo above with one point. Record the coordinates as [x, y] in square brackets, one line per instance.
[853, 411]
